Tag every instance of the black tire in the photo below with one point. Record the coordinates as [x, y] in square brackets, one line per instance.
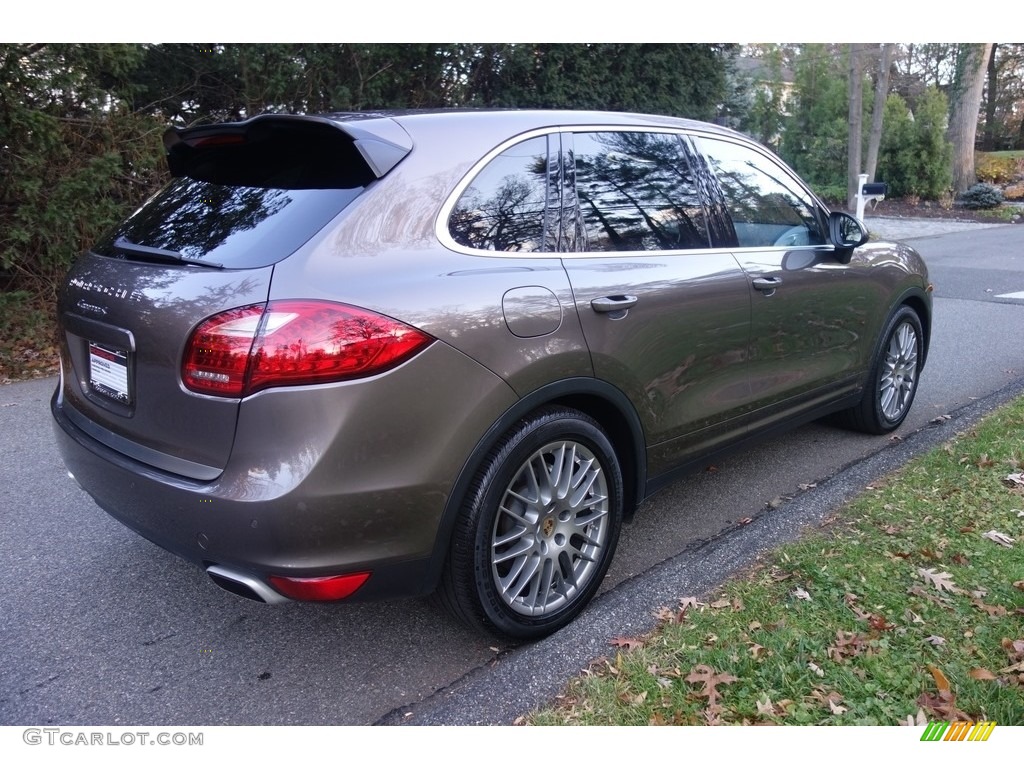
[894, 377]
[527, 555]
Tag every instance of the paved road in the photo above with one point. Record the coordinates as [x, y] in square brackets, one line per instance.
[98, 626]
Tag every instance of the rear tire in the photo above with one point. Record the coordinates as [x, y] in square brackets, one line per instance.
[894, 376]
[538, 527]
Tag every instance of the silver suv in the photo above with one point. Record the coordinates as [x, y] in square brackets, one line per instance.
[367, 355]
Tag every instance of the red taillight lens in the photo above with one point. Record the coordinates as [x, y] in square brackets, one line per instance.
[242, 351]
[320, 587]
[217, 355]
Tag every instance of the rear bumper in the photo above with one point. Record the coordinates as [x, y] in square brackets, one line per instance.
[307, 492]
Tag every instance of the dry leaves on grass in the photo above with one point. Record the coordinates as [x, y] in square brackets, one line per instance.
[848, 645]
[710, 680]
[941, 581]
[629, 643]
[999, 538]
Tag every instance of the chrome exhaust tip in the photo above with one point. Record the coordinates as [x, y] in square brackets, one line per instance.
[244, 585]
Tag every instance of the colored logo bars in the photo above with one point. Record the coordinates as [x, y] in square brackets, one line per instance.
[958, 731]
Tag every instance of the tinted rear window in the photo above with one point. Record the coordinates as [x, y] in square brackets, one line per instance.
[237, 226]
[247, 196]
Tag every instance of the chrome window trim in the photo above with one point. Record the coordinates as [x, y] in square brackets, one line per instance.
[441, 222]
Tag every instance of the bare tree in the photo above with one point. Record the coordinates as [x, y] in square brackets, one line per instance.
[878, 110]
[965, 102]
[856, 120]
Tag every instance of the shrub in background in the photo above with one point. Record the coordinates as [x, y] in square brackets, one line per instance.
[915, 157]
[982, 195]
[995, 169]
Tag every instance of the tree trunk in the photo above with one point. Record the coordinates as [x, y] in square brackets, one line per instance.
[854, 136]
[991, 95]
[878, 110]
[964, 106]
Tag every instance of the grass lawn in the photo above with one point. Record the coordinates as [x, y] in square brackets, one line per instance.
[907, 607]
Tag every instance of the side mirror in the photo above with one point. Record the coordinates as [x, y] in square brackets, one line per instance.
[846, 231]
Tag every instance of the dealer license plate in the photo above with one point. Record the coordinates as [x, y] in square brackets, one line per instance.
[108, 372]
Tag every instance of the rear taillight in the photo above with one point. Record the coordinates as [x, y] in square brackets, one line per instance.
[287, 343]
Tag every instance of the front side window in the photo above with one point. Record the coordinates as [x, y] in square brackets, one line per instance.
[512, 204]
[636, 192]
[768, 208]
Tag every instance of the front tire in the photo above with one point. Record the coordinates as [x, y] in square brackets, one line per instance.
[538, 528]
[894, 376]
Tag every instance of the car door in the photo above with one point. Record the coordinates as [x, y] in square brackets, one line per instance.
[666, 317]
[809, 310]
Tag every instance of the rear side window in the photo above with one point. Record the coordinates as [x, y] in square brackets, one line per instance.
[513, 203]
[247, 199]
[636, 193]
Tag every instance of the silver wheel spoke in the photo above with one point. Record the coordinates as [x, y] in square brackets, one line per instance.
[899, 372]
[551, 529]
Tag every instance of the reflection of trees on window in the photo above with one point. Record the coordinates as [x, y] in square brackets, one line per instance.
[512, 204]
[636, 193]
[762, 201]
[196, 218]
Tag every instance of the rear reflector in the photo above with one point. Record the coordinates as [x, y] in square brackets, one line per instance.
[288, 343]
[319, 587]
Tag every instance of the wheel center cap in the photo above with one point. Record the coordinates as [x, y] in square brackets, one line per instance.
[548, 527]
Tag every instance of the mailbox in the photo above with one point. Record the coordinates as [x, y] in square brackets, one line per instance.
[875, 188]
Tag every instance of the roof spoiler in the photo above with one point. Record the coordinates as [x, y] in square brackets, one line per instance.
[380, 141]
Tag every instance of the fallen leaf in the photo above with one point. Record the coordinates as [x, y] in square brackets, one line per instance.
[981, 674]
[690, 602]
[629, 643]
[775, 503]
[944, 705]
[1019, 585]
[942, 418]
[912, 617]
[723, 603]
[668, 615]
[807, 486]
[836, 709]
[754, 625]
[1013, 648]
[940, 679]
[892, 530]
[941, 581]
[935, 640]
[639, 699]
[756, 650]
[801, 594]
[710, 679]
[999, 538]
[847, 645]
[746, 520]
[1015, 480]
[766, 707]
[815, 669]
[921, 719]
[991, 610]
[879, 624]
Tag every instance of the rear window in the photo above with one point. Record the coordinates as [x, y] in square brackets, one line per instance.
[247, 199]
[239, 227]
